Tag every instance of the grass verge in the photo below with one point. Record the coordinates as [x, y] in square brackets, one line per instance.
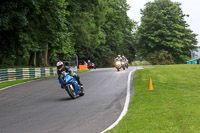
[83, 70]
[10, 83]
[172, 107]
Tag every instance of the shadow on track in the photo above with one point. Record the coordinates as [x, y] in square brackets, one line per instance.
[65, 99]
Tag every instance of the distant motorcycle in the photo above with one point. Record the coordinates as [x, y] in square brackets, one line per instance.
[92, 65]
[71, 85]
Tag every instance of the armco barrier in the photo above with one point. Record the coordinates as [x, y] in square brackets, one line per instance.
[11, 74]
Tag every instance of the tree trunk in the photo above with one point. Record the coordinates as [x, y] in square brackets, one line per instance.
[46, 54]
[39, 58]
[34, 59]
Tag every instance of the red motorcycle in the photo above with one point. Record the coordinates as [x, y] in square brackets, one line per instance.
[92, 65]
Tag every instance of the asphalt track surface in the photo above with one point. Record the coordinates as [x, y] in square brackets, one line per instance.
[41, 106]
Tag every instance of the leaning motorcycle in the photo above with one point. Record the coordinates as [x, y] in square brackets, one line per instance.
[71, 85]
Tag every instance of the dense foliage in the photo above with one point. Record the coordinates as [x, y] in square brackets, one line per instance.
[164, 36]
[42, 32]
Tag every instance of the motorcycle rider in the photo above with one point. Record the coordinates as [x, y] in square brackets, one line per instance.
[124, 59]
[118, 58]
[61, 67]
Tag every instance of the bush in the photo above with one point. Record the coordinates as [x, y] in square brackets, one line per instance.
[160, 58]
[139, 63]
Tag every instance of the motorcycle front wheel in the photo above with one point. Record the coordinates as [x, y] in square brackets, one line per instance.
[71, 91]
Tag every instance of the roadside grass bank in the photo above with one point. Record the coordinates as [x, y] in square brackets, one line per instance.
[10, 83]
[83, 70]
[172, 107]
[139, 63]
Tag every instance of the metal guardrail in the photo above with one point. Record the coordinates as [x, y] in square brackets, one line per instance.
[12, 74]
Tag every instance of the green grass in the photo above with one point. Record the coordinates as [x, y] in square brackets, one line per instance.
[172, 107]
[83, 70]
[10, 83]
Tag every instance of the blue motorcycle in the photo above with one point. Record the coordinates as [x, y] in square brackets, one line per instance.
[71, 85]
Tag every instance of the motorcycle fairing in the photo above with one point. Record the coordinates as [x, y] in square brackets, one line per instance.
[66, 79]
[69, 79]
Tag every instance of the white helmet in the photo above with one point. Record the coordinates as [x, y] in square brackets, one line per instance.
[59, 65]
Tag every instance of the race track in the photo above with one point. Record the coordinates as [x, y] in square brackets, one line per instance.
[41, 106]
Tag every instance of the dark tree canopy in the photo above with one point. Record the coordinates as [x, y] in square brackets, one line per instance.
[42, 32]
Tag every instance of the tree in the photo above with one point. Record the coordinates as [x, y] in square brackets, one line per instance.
[85, 22]
[13, 20]
[34, 32]
[41, 32]
[118, 30]
[163, 28]
[48, 32]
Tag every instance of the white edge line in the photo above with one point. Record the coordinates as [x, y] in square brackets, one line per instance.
[125, 109]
